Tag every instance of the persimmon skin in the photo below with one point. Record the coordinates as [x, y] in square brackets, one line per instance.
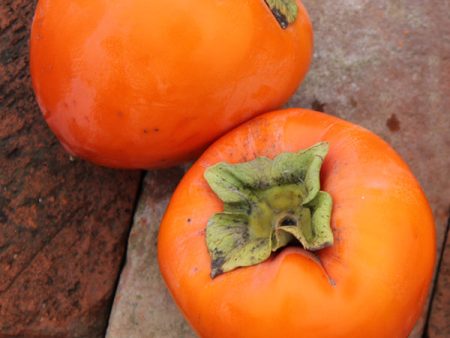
[375, 278]
[147, 83]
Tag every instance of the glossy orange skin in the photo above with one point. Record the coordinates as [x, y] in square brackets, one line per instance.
[149, 83]
[381, 263]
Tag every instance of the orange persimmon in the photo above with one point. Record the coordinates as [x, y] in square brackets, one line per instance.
[370, 280]
[147, 83]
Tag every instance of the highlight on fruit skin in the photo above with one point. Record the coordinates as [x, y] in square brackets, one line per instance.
[149, 83]
[372, 280]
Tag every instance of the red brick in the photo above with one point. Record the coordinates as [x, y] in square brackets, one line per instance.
[63, 223]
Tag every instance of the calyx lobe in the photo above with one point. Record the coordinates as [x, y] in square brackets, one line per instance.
[284, 11]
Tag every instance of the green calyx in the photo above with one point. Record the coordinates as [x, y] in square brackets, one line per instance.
[284, 11]
[267, 204]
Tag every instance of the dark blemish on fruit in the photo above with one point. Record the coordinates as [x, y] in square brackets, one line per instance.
[318, 106]
[216, 266]
[189, 220]
[156, 129]
[145, 131]
[393, 123]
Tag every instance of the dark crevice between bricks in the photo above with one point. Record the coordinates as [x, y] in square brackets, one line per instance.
[124, 256]
[435, 280]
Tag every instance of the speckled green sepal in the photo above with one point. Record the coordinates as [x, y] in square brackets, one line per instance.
[267, 204]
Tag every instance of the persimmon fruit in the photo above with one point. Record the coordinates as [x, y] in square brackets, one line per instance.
[149, 83]
[220, 245]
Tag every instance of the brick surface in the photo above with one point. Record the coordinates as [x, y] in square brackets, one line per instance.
[381, 64]
[63, 222]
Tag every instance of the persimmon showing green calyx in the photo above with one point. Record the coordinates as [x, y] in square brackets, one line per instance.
[150, 83]
[298, 224]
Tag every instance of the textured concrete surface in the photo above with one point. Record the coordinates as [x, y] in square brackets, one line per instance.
[382, 64]
[386, 66]
[63, 223]
[439, 323]
[143, 306]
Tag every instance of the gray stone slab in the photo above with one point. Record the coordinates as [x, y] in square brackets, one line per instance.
[143, 306]
[439, 324]
[386, 66]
